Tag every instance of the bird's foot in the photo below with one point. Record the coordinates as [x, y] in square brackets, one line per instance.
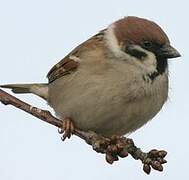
[67, 128]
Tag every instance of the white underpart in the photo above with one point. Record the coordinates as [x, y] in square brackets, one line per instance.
[148, 64]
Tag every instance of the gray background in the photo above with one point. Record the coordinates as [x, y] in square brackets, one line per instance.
[34, 35]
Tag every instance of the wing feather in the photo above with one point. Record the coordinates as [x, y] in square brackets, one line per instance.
[71, 62]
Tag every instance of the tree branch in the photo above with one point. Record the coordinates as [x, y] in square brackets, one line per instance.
[114, 147]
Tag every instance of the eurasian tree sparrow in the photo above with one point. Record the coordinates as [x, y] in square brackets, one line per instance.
[114, 82]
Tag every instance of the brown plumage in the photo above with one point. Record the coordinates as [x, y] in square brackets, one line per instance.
[134, 30]
[62, 69]
[104, 84]
[67, 64]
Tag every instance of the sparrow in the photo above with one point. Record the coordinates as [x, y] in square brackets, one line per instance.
[113, 83]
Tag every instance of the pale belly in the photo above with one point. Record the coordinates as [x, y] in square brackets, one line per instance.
[110, 109]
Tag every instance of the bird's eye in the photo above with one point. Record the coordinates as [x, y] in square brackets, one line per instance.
[147, 44]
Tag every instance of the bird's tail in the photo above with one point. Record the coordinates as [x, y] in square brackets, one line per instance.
[40, 90]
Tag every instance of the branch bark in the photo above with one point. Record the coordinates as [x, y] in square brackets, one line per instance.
[114, 148]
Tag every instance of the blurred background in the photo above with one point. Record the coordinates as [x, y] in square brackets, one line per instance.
[34, 35]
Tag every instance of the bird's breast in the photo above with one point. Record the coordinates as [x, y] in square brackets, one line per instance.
[112, 102]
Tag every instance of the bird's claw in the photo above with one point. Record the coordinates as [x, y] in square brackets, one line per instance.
[67, 128]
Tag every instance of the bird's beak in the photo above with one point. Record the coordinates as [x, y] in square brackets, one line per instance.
[167, 51]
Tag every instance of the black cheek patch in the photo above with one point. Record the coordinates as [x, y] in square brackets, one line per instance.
[136, 53]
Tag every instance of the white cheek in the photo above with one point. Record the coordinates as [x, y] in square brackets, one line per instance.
[112, 43]
[149, 63]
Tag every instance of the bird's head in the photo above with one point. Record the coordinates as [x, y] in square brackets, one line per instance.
[141, 40]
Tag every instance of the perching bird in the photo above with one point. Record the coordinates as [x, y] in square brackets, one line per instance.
[114, 82]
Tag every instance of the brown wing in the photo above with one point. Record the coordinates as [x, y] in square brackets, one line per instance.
[70, 63]
[65, 66]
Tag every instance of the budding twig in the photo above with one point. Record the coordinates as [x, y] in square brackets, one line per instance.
[115, 147]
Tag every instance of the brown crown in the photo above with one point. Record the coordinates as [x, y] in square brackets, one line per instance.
[135, 30]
